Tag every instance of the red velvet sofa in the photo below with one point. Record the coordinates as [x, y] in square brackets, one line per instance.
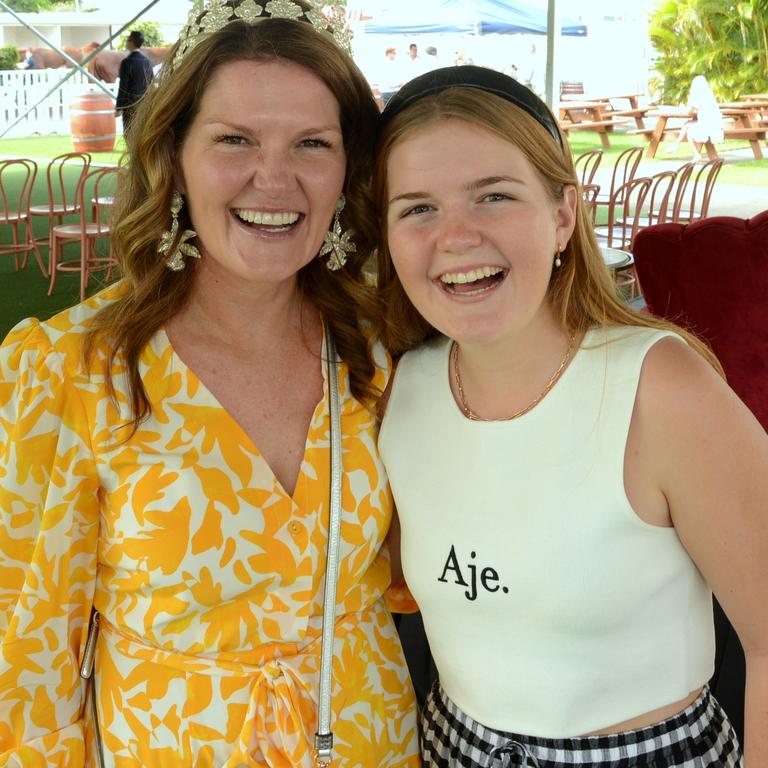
[711, 276]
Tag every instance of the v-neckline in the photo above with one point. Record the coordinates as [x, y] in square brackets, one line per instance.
[318, 414]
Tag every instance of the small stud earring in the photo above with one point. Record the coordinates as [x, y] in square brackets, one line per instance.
[558, 260]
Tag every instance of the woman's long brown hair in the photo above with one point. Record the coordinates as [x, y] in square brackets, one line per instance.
[153, 294]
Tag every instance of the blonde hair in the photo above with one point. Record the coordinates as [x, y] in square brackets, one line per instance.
[154, 293]
[582, 293]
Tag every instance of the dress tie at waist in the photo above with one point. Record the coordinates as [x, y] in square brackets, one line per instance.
[245, 663]
[281, 706]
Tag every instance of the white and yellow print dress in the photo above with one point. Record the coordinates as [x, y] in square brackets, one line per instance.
[207, 575]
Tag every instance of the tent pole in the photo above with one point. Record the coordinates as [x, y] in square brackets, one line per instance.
[552, 24]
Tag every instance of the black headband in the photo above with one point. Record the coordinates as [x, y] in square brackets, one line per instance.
[470, 76]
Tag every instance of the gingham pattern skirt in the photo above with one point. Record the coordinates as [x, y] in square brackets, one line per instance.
[698, 737]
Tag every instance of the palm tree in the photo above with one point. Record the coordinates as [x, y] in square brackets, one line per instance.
[726, 41]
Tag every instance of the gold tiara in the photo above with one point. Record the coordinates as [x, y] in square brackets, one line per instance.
[328, 19]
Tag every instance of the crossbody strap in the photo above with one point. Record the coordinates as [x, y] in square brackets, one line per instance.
[324, 735]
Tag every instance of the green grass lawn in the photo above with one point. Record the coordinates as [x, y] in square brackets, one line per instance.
[25, 293]
[753, 173]
[50, 146]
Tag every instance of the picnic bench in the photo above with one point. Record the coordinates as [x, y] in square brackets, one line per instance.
[746, 124]
[638, 114]
[660, 131]
[601, 127]
[593, 116]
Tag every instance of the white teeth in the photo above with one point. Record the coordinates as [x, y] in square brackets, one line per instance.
[471, 276]
[279, 219]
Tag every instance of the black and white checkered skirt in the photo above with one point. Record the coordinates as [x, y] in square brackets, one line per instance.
[701, 736]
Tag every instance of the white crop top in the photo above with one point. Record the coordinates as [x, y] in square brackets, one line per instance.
[551, 608]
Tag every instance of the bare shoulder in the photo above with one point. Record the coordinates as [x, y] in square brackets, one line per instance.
[707, 448]
[679, 389]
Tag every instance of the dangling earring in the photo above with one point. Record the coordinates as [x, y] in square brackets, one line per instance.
[558, 261]
[175, 260]
[336, 242]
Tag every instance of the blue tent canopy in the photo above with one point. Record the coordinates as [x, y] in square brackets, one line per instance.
[482, 17]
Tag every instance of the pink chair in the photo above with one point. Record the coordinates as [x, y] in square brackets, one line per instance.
[17, 179]
[101, 183]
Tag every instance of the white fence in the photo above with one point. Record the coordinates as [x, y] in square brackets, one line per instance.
[20, 90]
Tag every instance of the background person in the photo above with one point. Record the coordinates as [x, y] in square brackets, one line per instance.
[164, 447]
[391, 75]
[135, 76]
[589, 476]
[707, 122]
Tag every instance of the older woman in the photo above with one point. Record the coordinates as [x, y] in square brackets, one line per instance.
[165, 447]
[590, 478]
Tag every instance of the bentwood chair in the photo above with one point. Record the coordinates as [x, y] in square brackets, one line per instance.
[590, 192]
[17, 179]
[659, 200]
[624, 213]
[624, 171]
[693, 197]
[95, 195]
[586, 166]
[64, 176]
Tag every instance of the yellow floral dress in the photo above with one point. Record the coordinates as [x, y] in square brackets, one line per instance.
[208, 576]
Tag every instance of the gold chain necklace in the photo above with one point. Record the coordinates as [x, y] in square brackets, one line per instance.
[470, 414]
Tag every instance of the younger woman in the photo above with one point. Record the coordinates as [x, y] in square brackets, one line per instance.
[572, 478]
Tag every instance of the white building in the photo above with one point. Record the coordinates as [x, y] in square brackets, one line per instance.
[78, 28]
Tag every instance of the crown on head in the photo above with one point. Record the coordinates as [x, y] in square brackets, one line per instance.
[215, 14]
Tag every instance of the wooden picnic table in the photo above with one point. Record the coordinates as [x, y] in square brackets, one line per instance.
[578, 111]
[588, 116]
[633, 98]
[638, 114]
[746, 125]
[757, 109]
[658, 132]
[755, 97]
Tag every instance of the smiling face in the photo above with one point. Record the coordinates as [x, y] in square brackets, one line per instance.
[261, 168]
[472, 231]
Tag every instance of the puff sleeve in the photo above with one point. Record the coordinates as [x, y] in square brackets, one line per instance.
[49, 511]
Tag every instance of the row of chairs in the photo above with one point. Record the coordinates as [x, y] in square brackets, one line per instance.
[680, 196]
[74, 188]
[634, 202]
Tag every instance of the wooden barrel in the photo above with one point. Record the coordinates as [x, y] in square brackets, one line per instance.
[92, 118]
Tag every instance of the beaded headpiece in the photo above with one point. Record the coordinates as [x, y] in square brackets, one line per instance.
[328, 18]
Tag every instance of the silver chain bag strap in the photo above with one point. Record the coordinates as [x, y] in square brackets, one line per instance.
[324, 735]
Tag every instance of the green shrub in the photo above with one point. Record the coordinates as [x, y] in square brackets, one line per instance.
[724, 40]
[153, 37]
[9, 57]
